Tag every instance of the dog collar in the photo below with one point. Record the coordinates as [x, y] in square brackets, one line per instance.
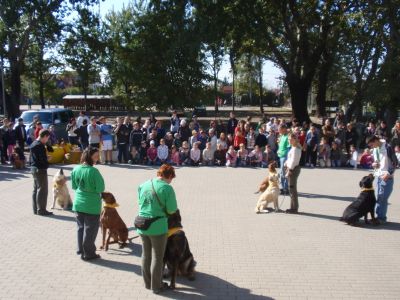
[172, 231]
[367, 189]
[114, 205]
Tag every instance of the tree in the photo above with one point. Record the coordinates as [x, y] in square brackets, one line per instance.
[83, 47]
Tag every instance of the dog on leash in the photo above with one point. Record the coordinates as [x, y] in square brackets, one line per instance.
[178, 258]
[60, 191]
[364, 204]
[112, 222]
[271, 193]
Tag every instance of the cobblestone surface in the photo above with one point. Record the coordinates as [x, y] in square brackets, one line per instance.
[240, 255]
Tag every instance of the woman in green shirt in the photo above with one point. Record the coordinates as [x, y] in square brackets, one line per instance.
[88, 185]
[154, 239]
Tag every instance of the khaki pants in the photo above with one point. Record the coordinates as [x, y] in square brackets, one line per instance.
[292, 181]
[40, 190]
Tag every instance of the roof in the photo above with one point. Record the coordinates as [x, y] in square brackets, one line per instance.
[72, 97]
[47, 110]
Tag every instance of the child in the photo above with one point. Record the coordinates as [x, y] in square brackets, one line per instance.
[195, 155]
[184, 154]
[193, 138]
[231, 157]
[162, 153]
[208, 155]
[272, 140]
[175, 156]
[219, 156]
[229, 141]
[269, 156]
[177, 141]
[222, 141]
[312, 144]
[242, 156]
[336, 155]
[152, 154]
[352, 162]
[366, 160]
[143, 152]
[135, 155]
[251, 140]
[397, 152]
[324, 153]
[255, 157]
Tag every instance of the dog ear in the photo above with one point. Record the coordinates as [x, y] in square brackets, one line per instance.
[361, 183]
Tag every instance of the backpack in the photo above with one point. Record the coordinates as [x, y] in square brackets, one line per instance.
[394, 163]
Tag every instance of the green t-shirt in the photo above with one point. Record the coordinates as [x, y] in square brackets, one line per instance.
[284, 146]
[88, 185]
[150, 208]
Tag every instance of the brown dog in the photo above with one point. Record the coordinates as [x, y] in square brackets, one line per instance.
[111, 220]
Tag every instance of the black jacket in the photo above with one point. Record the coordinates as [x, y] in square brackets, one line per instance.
[39, 155]
[20, 133]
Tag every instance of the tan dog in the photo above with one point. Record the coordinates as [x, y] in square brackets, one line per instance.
[111, 221]
[17, 162]
[60, 191]
[271, 193]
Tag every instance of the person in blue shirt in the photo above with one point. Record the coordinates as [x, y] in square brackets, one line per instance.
[106, 140]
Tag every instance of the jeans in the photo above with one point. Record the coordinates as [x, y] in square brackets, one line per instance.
[123, 153]
[284, 181]
[153, 259]
[336, 163]
[383, 191]
[40, 190]
[88, 227]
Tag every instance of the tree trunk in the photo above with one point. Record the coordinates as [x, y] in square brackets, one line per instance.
[323, 76]
[232, 61]
[13, 104]
[299, 94]
[41, 91]
[215, 89]
[260, 86]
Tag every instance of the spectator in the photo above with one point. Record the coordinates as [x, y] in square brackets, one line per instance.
[169, 140]
[222, 141]
[341, 135]
[20, 134]
[53, 139]
[212, 139]
[366, 160]
[328, 132]
[250, 139]
[231, 157]
[232, 124]
[272, 140]
[71, 128]
[202, 140]
[175, 122]
[10, 137]
[94, 133]
[122, 132]
[395, 141]
[136, 137]
[240, 135]
[340, 118]
[208, 155]
[261, 138]
[351, 137]
[81, 118]
[177, 140]
[242, 155]
[269, 156]
[312, 146]
[196, 124]
[106, 140]
[324, 153]
[219, 156]
[193, 138]
[88, 185]
[352, 162]
[38, 127]
[83, 136]
[383, 131]
[336, 155]
[175, 160]
[229, 141]
[397, 153]
[184, 154]
[184, 131]
[195, 155]
[370, 130]
[160, 131]
[143, 152]
[255, 157]
[162, 153]
[152, 154]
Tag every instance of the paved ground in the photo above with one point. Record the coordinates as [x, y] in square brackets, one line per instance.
[240, 255]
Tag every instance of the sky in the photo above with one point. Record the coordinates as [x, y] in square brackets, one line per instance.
[271, 73]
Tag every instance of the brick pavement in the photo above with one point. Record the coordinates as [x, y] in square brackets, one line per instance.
[240, 255]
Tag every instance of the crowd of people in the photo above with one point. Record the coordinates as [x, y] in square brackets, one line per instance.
[236, 143]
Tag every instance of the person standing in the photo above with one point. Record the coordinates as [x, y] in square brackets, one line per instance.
[106, 140]
[292, 165]
[39, 165]
[94, 133]
[83, 135]
[88, 185]
[71, 128]
[283, 150]
[20, 133]
[175, 122]
[384, 174]
[82, 116]
[156, 199]
[232, 123]
[122, 132]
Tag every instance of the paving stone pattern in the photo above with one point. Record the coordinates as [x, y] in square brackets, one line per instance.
[240, 255]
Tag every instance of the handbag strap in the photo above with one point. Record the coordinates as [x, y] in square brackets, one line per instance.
[158, 199]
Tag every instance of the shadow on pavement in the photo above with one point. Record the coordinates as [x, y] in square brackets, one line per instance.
[7, 173]
[309, 195]
[133, 249]
[63, 218]
[117, 265]
[209, 287]
[320, 216]
[393, 226]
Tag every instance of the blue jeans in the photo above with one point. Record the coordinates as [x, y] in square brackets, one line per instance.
[284, 180]
[383, 191]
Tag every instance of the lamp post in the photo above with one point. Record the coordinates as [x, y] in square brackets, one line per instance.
[3, 89]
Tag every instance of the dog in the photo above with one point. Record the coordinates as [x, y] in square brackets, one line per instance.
[17, 162]
[111, 221]
[364, 204]
[271, 193]
[178, 258]
[263, 186]
[60, 191]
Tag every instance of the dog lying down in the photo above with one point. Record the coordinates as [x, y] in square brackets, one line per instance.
[364, 204]
[111, 221]
[178, 258]
[60, 191]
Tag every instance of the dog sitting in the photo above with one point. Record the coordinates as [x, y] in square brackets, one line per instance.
[60, 191]
[111, 221]
[18, 158]
[364, 204]
[178, 258]
[271, 193]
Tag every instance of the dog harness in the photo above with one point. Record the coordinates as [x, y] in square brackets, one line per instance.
[114, 205]
[173, 231]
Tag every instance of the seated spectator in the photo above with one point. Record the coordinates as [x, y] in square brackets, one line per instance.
[152, 154]
[135, 156]
[175, 160]
[208, 155]
[143, 153]
[397, 153]
[272, 140]
[229, 141]
[231, 157]
[352, 162]
[219, 156]
[336, 155]
[184, 154]
[250, 139]
[212, 138]
[202, 139]
[269, 156]
[177, 140]
[261, 138]
[312, 146]
[366, 159]
[324, 153]
[169, 140]
[242, 156]
[255, 157]
[162, 153]
[222, 141]
[195, 155]
[193, 139]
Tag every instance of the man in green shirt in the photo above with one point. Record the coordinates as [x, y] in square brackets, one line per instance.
[283, 149]
[156, 199]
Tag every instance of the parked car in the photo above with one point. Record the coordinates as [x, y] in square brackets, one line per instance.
[58, 117]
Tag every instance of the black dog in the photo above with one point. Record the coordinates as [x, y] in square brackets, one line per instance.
[178, 257]
[364, 204]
